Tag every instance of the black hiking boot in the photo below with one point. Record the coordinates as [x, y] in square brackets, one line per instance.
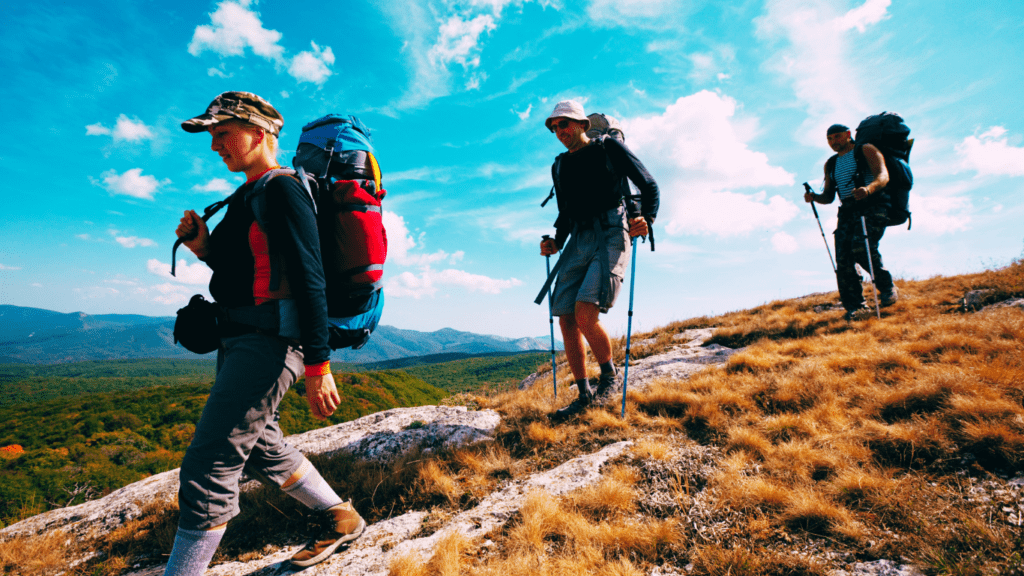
[581, 403]
[862, 313]
[607, 385]
[890, 298]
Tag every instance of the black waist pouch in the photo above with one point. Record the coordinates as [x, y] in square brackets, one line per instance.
[196, 326]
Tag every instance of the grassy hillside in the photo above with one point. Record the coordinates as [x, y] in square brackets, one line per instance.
[23, 383]
[64, 451]
[491, 372]
[822, 444]
[454, 372]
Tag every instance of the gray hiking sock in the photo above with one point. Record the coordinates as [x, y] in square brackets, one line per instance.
[192, 552]
[583, 387]
[313, 491]
[607, 367]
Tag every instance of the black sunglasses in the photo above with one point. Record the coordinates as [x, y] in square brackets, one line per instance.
[561, 125]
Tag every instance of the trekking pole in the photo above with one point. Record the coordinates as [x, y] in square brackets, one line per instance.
[809, 191]
[551, 322]
[871, 267]
[629, 324]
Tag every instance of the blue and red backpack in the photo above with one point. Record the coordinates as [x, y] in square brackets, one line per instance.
[335, 162]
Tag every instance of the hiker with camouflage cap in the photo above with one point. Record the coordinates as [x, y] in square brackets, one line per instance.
[238, 430]
[592, 231]
[861, 195]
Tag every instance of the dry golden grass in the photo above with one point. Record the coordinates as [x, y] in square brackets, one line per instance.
[856, 436]
[437, 481]
[41, 555]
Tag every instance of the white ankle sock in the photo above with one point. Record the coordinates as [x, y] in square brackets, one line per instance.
[313, 491]
[193, 550]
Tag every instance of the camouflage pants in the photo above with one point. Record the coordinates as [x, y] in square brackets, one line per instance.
[850, 249]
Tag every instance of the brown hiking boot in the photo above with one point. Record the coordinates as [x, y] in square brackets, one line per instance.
[341, 524]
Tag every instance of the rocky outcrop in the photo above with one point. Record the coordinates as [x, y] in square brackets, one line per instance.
[380, 437]
[386, 540]
[682, 360]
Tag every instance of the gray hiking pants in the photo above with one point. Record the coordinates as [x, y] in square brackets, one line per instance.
[592, 264]
[238, 430]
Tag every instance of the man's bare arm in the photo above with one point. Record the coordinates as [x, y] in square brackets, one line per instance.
[877, 164]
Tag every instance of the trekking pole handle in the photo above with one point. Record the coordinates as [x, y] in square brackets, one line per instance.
[809, 191]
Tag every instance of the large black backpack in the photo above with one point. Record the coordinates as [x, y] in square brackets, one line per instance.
[889, 133]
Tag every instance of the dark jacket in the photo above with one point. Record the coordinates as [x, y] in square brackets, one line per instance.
[240, 268]
[594, 179]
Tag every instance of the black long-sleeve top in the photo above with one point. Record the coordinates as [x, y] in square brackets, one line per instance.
[294, 245]
[592, 180]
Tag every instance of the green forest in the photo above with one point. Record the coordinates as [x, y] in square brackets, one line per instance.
[77, 431]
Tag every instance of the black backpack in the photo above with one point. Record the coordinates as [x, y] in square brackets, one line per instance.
[889, 133]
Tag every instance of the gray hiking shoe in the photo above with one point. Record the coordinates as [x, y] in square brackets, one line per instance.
[340, 524]
[607, 385]
[581, 403]
[890, 298]
[862, 313]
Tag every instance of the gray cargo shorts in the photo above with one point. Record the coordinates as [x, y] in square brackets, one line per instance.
[238, 431]
[580, 274]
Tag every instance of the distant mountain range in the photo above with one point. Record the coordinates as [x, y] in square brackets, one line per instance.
[37, 336]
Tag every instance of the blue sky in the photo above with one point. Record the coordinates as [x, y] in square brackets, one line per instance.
[726, 103]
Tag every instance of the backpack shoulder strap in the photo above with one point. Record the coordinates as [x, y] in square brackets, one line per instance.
[257, 201]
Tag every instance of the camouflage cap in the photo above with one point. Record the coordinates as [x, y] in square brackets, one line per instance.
[244, 106]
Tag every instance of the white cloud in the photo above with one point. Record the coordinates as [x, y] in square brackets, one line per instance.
[5, 267]
[195, 274]
[312, 66]
[458, 38]
[784, 243]
[285, 94]
[133, 241]
[125, 129]
[233, 28]
[97, 130]
[991, 155]
[218, 185]
[698, 152]
[83, 237]
[940, 214]
[525, 114]
[171, 294]
[132, 183]
[427, 283]
[401, 243]
[217, 72]
[639, 13]
[824, 69]
[437, 37]
[871, 12]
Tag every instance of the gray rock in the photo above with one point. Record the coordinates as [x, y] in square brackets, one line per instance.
[384, 541]
[682, 360]
[879, 568]
[1011, 303]
[378, 437]
[678, 363]
[975, 299]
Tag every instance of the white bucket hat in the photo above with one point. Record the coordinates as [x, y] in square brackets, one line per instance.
[570, 109]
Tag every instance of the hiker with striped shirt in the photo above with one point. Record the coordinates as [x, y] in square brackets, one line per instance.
[859, 177]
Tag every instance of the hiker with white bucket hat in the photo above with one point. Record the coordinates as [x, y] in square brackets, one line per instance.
[592, 231]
